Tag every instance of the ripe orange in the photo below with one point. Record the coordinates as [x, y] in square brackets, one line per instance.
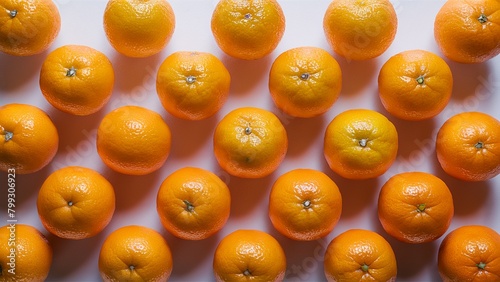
[248, 29]
[360, 144]
[468, 31]
[192, 85]
[135, 253]
[415, 85]
[360, 255]
[133, 140]
[415, 207]
[470, 253]
[28, 27]
[304, 204]
[250, 142]
[77, 79]
[75, 203]
[468, 146]
[138, 28]
[360, 30]
[29, 138]
[305, 81]
[249, 255]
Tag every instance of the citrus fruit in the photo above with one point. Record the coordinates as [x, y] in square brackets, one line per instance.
[193, 203]
[305, 81]
[77, 79]
[25, 254]
[249, 255]
[415, 207]
[75, 203]
[470, 253]
[468, 146]
[360, 144]
[28, 26]
[360, 30]
[415, 85]
[304, 204]
[133, 140]
[248, 29]
[135, 253]
[138, 28]
[192, 85]
[29, 139]
[360, 255]
[468, 31]
[250, 142]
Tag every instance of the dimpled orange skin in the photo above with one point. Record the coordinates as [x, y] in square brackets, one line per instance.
[468, 146]
[470, 253]
[360, 255]
[249, 255]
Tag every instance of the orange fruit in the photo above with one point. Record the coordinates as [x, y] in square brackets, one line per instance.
[249, 255]
[192, 85]
[133, 140]
[250, 142]
[193, 203]
[138, 28]
[305, 81]
[304, 204]
[468, 146]
[25, 254]
[415, 207]
[468, 31]
[135, 253]
[29, 138]
[415, 85]
[28, 26]
[75, 203]
[360, 144]
[360, 255]
[360, 30]
[470, 253]
[248, 29]
[77, 79]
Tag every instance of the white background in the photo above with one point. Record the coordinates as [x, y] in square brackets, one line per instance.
[476, 87]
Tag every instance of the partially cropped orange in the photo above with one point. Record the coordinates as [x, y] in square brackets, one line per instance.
[192, 85]
[249, 255]
[305, 81]
[28, 138]
[468, 146]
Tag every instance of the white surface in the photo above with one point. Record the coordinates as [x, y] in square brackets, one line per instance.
[477, 87]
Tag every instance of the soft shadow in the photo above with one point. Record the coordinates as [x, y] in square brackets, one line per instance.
[131, 73]
[363, 71]
[246, 194]
[246, 75]
[466, 78]
[302, 132]
[27, 187]
[16, 71]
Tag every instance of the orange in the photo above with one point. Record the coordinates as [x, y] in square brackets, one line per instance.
[304, 204]
[360, 255]
[468, 146]
[415, 85]
[468, 31]
[305, 81]
[415, 207]
[470, 253]
[249, 255]
[250, 142]
[29, 139]
[360, 144]
[193, 203]
[75, 203]
[139, 28]
[77, 79]
[28, 27]
[192, 85]
[360, 29]
[248, 29]
[135, 253]
[25, 254]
